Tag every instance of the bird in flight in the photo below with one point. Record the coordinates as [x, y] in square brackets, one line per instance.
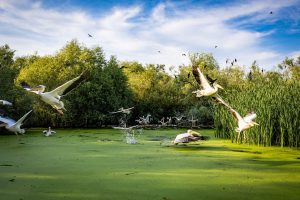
[189, 136]
[244, 123]
[183, 54]
[12, 125]
[216, 46]
[123, 110]
[90, 35]
[207, 89]
[271, 12]
[53, 98]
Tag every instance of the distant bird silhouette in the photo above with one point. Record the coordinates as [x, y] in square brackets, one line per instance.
[216, 46]
[232, 63]
[183, 54]
[271, 12]
[158, 51]
[90, 35]
[227, 60]
[235, 60]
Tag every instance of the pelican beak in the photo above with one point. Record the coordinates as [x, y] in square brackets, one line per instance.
[219, 86]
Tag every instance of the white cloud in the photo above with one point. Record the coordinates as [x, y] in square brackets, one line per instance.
[126, 33]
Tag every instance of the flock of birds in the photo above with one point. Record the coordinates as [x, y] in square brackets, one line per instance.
[209, 87]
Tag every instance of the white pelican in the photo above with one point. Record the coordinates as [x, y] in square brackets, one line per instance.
[53, 97]
[207, 90]
[48, 132]
[144, 120]
[244, 123]
[6, 103]
[123, 110]
[12, 125]
[189, 136]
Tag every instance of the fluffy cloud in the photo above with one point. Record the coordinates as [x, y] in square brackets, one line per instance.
[131, 35]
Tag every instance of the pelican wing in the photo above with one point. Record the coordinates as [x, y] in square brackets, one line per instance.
[182, 138]
[2, 124]
[22, 119]
[234, 112]
[4, 102]
[7, 121]
[70, 85]
[115, 112]
[210, 79]
[200, 78]
[129, 108]
[249, 117]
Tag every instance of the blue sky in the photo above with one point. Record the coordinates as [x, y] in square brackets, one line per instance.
[136, 30]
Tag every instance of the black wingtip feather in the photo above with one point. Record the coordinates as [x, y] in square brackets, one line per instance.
[81, 78]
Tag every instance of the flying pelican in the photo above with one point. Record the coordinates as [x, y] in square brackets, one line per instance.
[48, 132]
[244, 123]
[123, 110]
[6, 103]
[12, 125]
[189, 136]
[53, 97]
[207, 90]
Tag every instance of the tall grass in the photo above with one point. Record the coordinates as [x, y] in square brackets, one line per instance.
[274, 97]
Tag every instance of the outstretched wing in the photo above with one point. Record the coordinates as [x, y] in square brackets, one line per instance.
[70, 85]
[218, 99]
[129, 108]
[22, 119]
[250, 116]
[200, 78]
[6, 121]
[210, 79]
[115, 112]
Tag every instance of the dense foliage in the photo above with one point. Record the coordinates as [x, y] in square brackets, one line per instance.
[154, 89]
[274, 96]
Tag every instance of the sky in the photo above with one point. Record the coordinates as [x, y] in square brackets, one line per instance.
[157, 32]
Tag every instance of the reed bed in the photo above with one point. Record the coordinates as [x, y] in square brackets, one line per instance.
[275, 99]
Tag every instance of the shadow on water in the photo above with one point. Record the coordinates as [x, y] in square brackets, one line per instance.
[183, 147]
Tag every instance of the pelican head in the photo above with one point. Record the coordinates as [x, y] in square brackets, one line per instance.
[216, 85]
